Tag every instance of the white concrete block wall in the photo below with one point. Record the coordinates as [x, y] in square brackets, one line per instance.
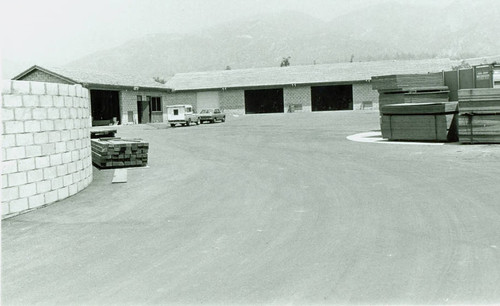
[46, 154]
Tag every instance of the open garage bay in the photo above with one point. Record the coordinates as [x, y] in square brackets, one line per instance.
[274, 208]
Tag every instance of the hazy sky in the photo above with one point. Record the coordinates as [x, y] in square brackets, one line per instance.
[54, 32]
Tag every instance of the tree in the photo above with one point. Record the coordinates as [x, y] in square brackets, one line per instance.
[285, 62]
[159, 80]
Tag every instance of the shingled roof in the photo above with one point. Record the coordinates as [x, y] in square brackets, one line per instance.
[95, 78]
[311, 74]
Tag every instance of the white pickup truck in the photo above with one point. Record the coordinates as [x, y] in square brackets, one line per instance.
[182, 114]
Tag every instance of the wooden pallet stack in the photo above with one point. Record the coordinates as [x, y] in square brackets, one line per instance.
[420, 122]
[479, 119]
[118, 152]
[410, 88]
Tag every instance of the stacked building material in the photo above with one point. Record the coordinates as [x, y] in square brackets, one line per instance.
[420, 122]
[117, 152]
[102, 133]
[410, 88]
[479, 120]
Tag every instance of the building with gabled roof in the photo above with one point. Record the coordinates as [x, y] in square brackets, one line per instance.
[340, 86]
[115, 99]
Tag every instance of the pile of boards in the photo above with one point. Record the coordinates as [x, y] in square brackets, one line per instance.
[116, 152]
[420, 121]
[479, 118]
[410, 88]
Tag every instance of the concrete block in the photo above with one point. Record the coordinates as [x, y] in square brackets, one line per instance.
[78, 89]
[9, 166]
[26, 164]
[68, 179]
[71, 167]
[62, 170]
[21, 87]
[70, 145]
[66, 157]
[24, 139]
[9, 194]
[35, 175]
[43, 187]
[48, 148]
[36, 201]
[77, 176]
[75, 155]
[33, 151]
[12, 101]
[27, 190]
[40, 114]
[75, 136]
[17, 179]
[51, 197]
[32, 126]
[63, 89]
[69, 124]
[68, 102]
[5, 181]
[60, 147]
[55, 159]
[13, 127]
[59, 125]
[54, 136]
[53, 113]
[38, 88]
[85, 93]
[56, 183]
[5, 208]
[9, 140]
[41, 138]
[73, 113]
[73, 189]
[14, 153]
[18, 205]
[6, 87]
[64, 113]
[52, 89]
[31, 101]
[46, 101]
[49, 173]
[22, 114]
[63, 193]
[58, 101]
[7, 114]
[79, 165]
[42, 162]
[47, 125]
[72, 91]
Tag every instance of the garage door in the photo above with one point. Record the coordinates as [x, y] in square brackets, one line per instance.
[207, 99]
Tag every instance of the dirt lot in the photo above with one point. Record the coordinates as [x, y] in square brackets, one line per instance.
[273, 209]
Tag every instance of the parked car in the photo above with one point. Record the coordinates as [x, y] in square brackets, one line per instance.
[212, 115]
[183, 114]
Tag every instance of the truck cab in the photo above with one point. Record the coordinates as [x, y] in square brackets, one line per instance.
[182, 114]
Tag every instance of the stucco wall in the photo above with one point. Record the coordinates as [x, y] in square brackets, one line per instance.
[46, 154]
[128, 102]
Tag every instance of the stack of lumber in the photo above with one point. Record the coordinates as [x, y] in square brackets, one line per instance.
[102, 133]
[403, 81]
[420, 122]
[479, 120]
[117, 152]
[410, 88]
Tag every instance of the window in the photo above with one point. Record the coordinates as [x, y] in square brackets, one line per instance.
[176, 112]
[155, 104]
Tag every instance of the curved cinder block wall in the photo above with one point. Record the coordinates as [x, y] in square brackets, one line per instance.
[46, 154]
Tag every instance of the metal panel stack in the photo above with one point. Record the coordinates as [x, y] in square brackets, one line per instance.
[420, 122]
[117, 152]
[410, 88]
[479, 120]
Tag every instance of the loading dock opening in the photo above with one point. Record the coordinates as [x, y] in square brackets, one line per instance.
[264, 101]
[333, 97]
[105, 106]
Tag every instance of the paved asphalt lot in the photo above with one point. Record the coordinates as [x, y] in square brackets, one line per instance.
[269, 209]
